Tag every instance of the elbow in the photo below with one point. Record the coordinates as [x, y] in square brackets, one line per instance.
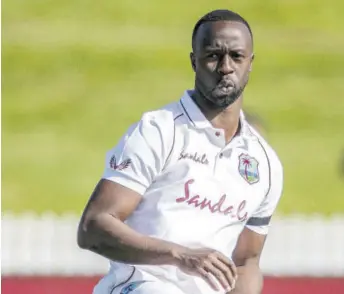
[82, 240]
[252, 260]
[85, 234]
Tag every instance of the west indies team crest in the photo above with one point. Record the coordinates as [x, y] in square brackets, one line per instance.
[248, 168]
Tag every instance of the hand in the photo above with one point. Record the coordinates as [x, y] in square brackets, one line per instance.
[209, 264]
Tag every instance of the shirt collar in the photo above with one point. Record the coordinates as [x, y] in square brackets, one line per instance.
[197, 119]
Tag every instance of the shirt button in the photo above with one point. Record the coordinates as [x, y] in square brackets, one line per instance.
[217, 134]
[221, 155]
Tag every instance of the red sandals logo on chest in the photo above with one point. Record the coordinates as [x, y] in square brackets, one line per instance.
[234, 211]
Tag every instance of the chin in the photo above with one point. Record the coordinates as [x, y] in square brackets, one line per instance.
[222, 100]
[219, 101]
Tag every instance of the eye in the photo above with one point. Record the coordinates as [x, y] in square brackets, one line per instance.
[213, 56]
[237, 56]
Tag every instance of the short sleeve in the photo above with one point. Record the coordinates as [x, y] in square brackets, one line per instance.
[141, 153]
[259, 222]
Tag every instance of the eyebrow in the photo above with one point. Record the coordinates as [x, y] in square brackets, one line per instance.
[215, 48]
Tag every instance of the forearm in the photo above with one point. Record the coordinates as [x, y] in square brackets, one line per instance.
[250, 280]
[111, 238]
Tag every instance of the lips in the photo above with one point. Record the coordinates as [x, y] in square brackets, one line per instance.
[226, 84]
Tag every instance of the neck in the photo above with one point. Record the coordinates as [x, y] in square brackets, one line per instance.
[221, 118]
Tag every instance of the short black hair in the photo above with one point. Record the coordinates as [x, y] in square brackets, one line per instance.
[219, 15]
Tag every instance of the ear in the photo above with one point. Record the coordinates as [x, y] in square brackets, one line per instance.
[252, 58]
[193, 61]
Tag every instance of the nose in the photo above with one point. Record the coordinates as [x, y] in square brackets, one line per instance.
[226, 65]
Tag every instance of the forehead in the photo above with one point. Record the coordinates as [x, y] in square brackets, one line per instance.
[229, 34]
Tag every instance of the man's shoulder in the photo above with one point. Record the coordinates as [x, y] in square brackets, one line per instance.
[269, 151]
[163, 116]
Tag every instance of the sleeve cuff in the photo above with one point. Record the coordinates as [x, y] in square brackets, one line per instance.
[127, 182]
[259, 225]
[261, 230]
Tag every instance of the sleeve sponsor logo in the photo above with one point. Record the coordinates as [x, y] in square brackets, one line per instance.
[120, 166]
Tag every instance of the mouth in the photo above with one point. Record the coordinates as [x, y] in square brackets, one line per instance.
[225, 86]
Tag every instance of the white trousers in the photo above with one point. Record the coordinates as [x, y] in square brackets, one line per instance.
[133, 281]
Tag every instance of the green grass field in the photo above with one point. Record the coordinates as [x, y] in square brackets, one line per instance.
[77, 73]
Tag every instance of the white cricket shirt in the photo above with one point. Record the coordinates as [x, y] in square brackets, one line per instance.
[197, 191]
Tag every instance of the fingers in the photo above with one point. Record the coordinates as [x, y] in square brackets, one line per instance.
[219, 275]
[213, 267]
[230, 264]
[208, 278]
[227, 274]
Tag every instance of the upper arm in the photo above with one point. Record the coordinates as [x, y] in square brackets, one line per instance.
[248, 248]
[131, 166]
[111, 198]
[251, 240]
[259, 222]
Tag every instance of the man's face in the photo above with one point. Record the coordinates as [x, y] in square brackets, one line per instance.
[222, 61]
